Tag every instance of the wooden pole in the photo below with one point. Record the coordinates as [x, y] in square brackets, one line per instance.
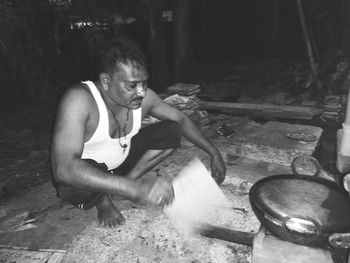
[275, 24]
[158, 54]
[183, 59]
[314, 70]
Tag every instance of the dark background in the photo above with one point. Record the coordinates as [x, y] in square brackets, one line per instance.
[45, 46]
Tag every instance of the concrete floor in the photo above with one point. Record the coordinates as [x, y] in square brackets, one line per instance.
[66, 234]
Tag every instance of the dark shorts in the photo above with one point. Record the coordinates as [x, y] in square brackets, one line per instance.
[158, 136]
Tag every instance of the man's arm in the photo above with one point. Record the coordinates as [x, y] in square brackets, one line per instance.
[67, 147]
[156, 107]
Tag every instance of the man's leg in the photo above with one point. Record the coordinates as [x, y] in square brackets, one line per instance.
[148, 161]
[149, 147]
[107, 213]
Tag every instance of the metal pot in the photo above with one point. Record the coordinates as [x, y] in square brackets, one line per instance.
[303, 209]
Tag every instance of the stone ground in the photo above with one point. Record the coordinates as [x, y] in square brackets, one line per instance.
[36, 227]
[32, 218]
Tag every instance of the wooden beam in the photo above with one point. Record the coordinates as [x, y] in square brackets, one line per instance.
[230, 235]
[285, 111]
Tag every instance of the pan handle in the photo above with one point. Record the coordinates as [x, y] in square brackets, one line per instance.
[339, 240]
[306, 159]
[304, 226]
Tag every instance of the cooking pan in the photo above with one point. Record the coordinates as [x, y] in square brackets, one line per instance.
[306, 210]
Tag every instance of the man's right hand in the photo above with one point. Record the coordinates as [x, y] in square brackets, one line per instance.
[155, 191]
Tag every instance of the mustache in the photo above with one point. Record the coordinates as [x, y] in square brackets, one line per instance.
[138, 99]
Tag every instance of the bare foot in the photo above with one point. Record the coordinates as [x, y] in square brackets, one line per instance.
[108, 214]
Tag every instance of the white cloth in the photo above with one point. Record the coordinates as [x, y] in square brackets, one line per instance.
[198, 199]
[101, 147]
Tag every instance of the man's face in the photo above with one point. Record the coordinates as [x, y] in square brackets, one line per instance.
[128, 85]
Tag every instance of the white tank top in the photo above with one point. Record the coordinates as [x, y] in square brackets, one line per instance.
[101, 147]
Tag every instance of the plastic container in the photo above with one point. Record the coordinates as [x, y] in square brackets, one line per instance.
[343, 149]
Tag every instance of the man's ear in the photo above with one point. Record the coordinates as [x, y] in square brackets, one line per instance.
[104, 79]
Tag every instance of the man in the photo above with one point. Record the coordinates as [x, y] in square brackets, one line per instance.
[98, 148]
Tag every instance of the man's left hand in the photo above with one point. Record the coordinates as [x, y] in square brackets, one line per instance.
[218, 169]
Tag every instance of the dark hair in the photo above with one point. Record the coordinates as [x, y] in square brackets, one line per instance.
[121, 50]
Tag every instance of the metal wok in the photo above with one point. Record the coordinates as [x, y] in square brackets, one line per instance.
[303, 209]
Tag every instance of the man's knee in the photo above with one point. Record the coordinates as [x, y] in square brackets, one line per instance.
[78, 197]
[173, 130]
[165, 135]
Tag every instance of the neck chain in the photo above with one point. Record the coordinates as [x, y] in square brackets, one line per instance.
[124, 146]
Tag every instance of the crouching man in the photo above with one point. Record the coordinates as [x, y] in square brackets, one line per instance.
[99, 148]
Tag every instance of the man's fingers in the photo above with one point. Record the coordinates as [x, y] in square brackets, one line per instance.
[165, 201]
[167, 198]
[219, 178]
[166, 193]
[158, 191]
[171, 193]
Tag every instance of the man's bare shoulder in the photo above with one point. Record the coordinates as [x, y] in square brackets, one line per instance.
[154, 105]
[78, 92]
[77, 104]
[77, 96]
[150, 100]
[151, 97]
